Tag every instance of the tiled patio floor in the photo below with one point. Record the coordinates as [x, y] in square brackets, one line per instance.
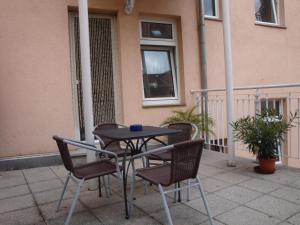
[237, 196]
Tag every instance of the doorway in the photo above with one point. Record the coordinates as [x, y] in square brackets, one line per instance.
[102, 70]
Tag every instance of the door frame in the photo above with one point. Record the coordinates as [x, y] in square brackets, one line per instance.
[115, 67]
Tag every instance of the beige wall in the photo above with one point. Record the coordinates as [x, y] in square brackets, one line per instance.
[35, 88]
[261, 55]
[35, 80]
[35, 91]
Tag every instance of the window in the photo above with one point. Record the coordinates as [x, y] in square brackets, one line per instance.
[159, 62]
[272, 104]
[267, 11]
[158, 76]
[157, 30]
[211, 8]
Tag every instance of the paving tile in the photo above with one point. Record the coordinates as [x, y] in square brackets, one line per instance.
[92, 200]
[232, 178]
[208, 171]
[295, 219]
[278, 208]
[215, 223]
[290, 194]
[27, 216]
[280, 177]
[238, 194]
[287, 223]
[51, 196]
[80, 218]
[49, 210]
[59, 171]
[150, 202]
[245, 216]
[194, 193]
[38, 174]
[108, 216]
[13, 191]
[11, 178]
[212, 185]
[260, 185]
[46, 185]
[15, 203]
[181, 215]
[216, 204]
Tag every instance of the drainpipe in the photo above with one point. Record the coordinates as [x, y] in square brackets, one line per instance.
[86, 76]
[129, 6]
[229, 82]
[203, 64]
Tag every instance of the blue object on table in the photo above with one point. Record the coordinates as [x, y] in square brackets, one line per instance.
[136, 127]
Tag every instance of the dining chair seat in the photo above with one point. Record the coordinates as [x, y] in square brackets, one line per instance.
[94, 169]
[157, 174]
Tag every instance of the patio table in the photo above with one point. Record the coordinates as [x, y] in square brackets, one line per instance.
[125, 135]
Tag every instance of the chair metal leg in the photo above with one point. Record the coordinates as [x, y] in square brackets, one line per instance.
[108, 185]
[105, 187]
[74, 202]
[188, 190]
[145, 182]
[205, 202]
[99, 186]
[175, 194]
[63, 192]
[167, 211]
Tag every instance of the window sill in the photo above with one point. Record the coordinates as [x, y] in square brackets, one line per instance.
[213, 18]
[166, 103]
[270, 25]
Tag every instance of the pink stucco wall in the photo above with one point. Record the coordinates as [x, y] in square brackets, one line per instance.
[35, 78]
[35, 91]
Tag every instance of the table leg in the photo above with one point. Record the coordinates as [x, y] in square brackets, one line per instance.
[125, 187]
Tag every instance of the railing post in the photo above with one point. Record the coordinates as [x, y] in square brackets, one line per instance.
[257, 104]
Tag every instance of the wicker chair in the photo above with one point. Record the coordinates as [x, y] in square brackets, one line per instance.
[84, 172]
[186, 134]
[114, 146]
[184, 164]
[189, 132]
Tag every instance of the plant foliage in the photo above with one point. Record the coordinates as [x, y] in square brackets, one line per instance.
[203, 122]
[263, 133]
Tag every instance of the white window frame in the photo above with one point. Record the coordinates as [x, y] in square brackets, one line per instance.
[217, 10]
[275, 11]
[163, 44]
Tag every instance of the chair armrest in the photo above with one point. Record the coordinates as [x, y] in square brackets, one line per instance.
[196, 131]
[89, 147]
[102, 144]
[169, 147]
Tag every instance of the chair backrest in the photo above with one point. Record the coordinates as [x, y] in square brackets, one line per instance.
[185, 160]
[64, 153]
[185, 135]
[103, 126]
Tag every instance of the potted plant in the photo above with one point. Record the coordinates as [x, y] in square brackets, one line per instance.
[202, 121]
[263, 134]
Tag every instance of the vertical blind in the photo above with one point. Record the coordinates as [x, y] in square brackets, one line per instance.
[101, 71]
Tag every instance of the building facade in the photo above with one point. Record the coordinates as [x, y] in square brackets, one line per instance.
[144, 65]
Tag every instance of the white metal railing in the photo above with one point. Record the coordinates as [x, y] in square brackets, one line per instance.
[284, 98]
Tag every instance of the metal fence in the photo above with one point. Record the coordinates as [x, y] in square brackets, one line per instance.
[284, 99]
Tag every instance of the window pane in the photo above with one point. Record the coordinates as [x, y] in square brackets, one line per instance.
[157, 74]
[157, 30]
[210, 8]
[266, 10]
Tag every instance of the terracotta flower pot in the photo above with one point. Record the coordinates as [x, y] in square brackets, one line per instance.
[267, 165]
